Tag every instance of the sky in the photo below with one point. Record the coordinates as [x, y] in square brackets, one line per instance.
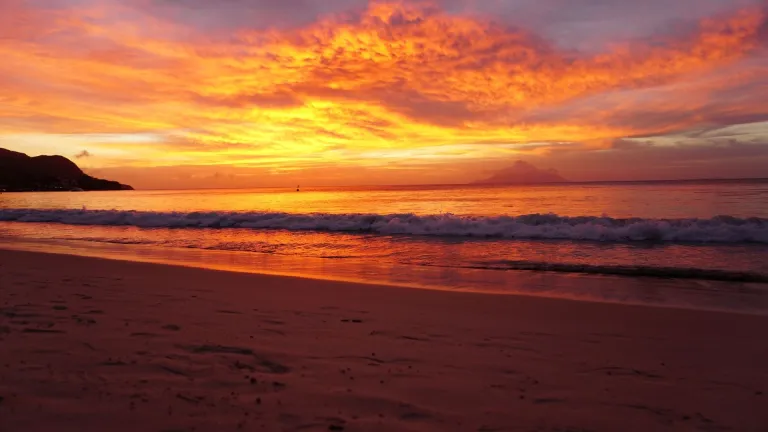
[244, 93]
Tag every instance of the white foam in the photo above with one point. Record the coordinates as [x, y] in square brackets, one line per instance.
[719, 229]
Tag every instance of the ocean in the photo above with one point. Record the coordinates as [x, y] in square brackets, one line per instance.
[699, 243]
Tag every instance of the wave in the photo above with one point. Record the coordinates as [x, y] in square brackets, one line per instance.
[719, 229]
[622, 270]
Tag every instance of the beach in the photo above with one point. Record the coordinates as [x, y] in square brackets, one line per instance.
[91, 344]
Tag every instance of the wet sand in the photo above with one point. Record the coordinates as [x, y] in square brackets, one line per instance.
[94, 345]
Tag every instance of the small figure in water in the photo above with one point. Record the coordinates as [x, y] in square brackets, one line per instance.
[297, 188]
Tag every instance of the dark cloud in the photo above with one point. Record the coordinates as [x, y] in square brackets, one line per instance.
[421, 107]
[591, 25]
[572, 23]
[731, 95]
[645, 160]
[83, 154]
[229, 15]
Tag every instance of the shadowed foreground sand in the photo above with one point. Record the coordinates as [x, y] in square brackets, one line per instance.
[97, 345]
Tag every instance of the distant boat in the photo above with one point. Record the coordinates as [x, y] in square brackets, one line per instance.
[77, 189]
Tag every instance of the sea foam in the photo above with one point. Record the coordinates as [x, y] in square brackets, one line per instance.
[719, 229]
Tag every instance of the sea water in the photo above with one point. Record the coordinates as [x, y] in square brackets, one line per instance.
[424, 235]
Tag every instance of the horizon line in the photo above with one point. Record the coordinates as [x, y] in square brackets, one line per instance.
[476, 184]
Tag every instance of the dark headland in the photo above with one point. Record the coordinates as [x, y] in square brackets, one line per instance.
[20, 173]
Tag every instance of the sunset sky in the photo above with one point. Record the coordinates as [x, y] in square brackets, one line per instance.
[238, 93]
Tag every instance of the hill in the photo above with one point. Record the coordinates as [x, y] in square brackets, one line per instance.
[19, 172]
[522, 172]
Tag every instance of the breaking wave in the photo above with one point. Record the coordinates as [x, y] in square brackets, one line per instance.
[719, 229]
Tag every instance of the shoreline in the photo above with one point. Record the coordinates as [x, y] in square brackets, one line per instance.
[96, 344]
[677, 293]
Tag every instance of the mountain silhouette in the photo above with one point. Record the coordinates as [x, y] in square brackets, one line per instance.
[19, 172]
[522, 172]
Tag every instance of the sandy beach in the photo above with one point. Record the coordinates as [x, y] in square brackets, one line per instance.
[95, 345]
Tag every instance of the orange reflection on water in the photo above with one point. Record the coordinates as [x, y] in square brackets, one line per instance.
[719, 296]
[703, 200]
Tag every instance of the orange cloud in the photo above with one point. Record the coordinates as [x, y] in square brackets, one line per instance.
[394, 78]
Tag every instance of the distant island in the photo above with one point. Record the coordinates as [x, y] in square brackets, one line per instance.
[522, 172]
[22, 173]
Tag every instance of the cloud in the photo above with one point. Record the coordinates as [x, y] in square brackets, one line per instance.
[83, 154]
[256, 81]
[685, 159]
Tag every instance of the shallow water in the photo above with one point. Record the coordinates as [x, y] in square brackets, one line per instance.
[735, 297]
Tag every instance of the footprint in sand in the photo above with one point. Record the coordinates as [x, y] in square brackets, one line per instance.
[259, 363]
[227, 311]
[83, 321]
[36, 330]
